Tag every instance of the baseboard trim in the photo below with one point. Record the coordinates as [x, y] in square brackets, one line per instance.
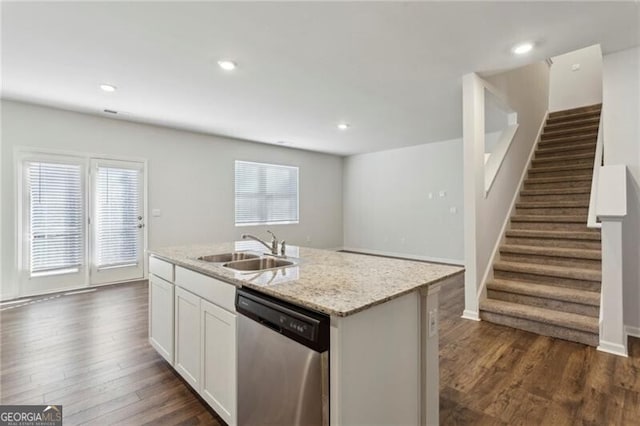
[456, 262]
[632, 331]
[471, 315]
[613, 348]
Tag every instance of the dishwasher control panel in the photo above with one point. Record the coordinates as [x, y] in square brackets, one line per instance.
[307, 327]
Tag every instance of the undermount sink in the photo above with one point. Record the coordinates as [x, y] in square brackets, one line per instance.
[258, 264]
[227, 257]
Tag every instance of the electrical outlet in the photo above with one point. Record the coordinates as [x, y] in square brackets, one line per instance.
[156, 212]
[430, 195]
[453, 210]
[575, 67]
[308, 238]
[443, 193]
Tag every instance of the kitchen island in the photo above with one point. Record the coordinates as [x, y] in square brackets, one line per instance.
[383, 353]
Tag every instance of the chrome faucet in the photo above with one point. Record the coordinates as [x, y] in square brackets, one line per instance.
[273, 247]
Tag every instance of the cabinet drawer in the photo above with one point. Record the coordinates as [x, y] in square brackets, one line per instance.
[161, 268]
[211, 289]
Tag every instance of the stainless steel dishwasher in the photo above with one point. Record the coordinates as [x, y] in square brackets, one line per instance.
[283, 363]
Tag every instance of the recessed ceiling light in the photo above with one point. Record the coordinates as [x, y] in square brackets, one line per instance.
[108, 87]
[522, 48]
[227, 65]
[343, 126]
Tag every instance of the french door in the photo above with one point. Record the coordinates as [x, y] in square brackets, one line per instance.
[82, 222]
[117, 221]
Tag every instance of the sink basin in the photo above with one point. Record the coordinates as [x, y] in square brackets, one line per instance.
[227, 257]
[258, 264]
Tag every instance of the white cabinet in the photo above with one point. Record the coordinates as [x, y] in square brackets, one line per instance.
[161, 330]
[192, 324]
[187, 336]
[219, 360]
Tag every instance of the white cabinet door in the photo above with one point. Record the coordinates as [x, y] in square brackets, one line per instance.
[187, 337]
[219, 360]
[161, 316]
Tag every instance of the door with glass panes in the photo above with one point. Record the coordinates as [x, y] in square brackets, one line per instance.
[82, 222]
[116, 221]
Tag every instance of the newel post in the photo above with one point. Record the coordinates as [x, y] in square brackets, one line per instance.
[611, 208]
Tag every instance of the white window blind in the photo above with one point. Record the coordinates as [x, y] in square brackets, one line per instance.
[266, 193]
[56, 214]
[117, 211]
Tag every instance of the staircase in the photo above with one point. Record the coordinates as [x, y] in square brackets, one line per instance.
[547, 280]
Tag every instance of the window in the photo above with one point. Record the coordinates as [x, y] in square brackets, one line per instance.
[265, 194]
[56, 217]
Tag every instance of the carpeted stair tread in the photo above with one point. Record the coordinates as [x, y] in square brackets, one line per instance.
[551, 204]
[575, 253]
[573, 123]
[591, 128]
[549, 270]
[542, 315]
[553, 234]
[561, 140]
[568, 157]
[564, 294]
[554, 179]
[563, 149]
[564, 168]
[573, 111]
[563, 218]
[561, 191]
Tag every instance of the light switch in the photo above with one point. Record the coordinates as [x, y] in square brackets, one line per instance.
[433, 322]
[443, 193]
[453, 210]
[575, 67]
[430, 195]
[156, 212]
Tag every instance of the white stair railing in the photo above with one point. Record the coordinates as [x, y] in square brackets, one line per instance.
[592, 218]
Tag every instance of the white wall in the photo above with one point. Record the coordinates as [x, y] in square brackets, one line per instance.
[190, 178]
[526, 91]
[620, 120]
[572, 89]
[387, 207]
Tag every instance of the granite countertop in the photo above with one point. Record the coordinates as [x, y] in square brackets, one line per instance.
[332, 282]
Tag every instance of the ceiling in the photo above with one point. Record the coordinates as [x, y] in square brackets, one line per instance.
[391, 69]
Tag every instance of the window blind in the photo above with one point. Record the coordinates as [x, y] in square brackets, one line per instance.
[265, 193]
[117, 211]
[55, 217]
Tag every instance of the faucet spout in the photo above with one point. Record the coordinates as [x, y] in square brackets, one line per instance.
[273, 247]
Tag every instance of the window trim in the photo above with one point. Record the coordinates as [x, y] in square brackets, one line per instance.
[267, 223]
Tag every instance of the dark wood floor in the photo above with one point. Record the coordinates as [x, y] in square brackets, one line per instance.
[89, 352]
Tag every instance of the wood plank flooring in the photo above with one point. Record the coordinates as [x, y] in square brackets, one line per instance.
[89, 352]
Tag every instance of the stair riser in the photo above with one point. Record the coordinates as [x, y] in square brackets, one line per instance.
[552, 260]
[537, 173]
[557, 185]
[555, 197]
[553, 211]
[561, 162]
[557, 134]
[545, 279]
[556, 142]
[550, 226]
[541, 302]
[551, 242]
[540, 328]
[589, 148]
